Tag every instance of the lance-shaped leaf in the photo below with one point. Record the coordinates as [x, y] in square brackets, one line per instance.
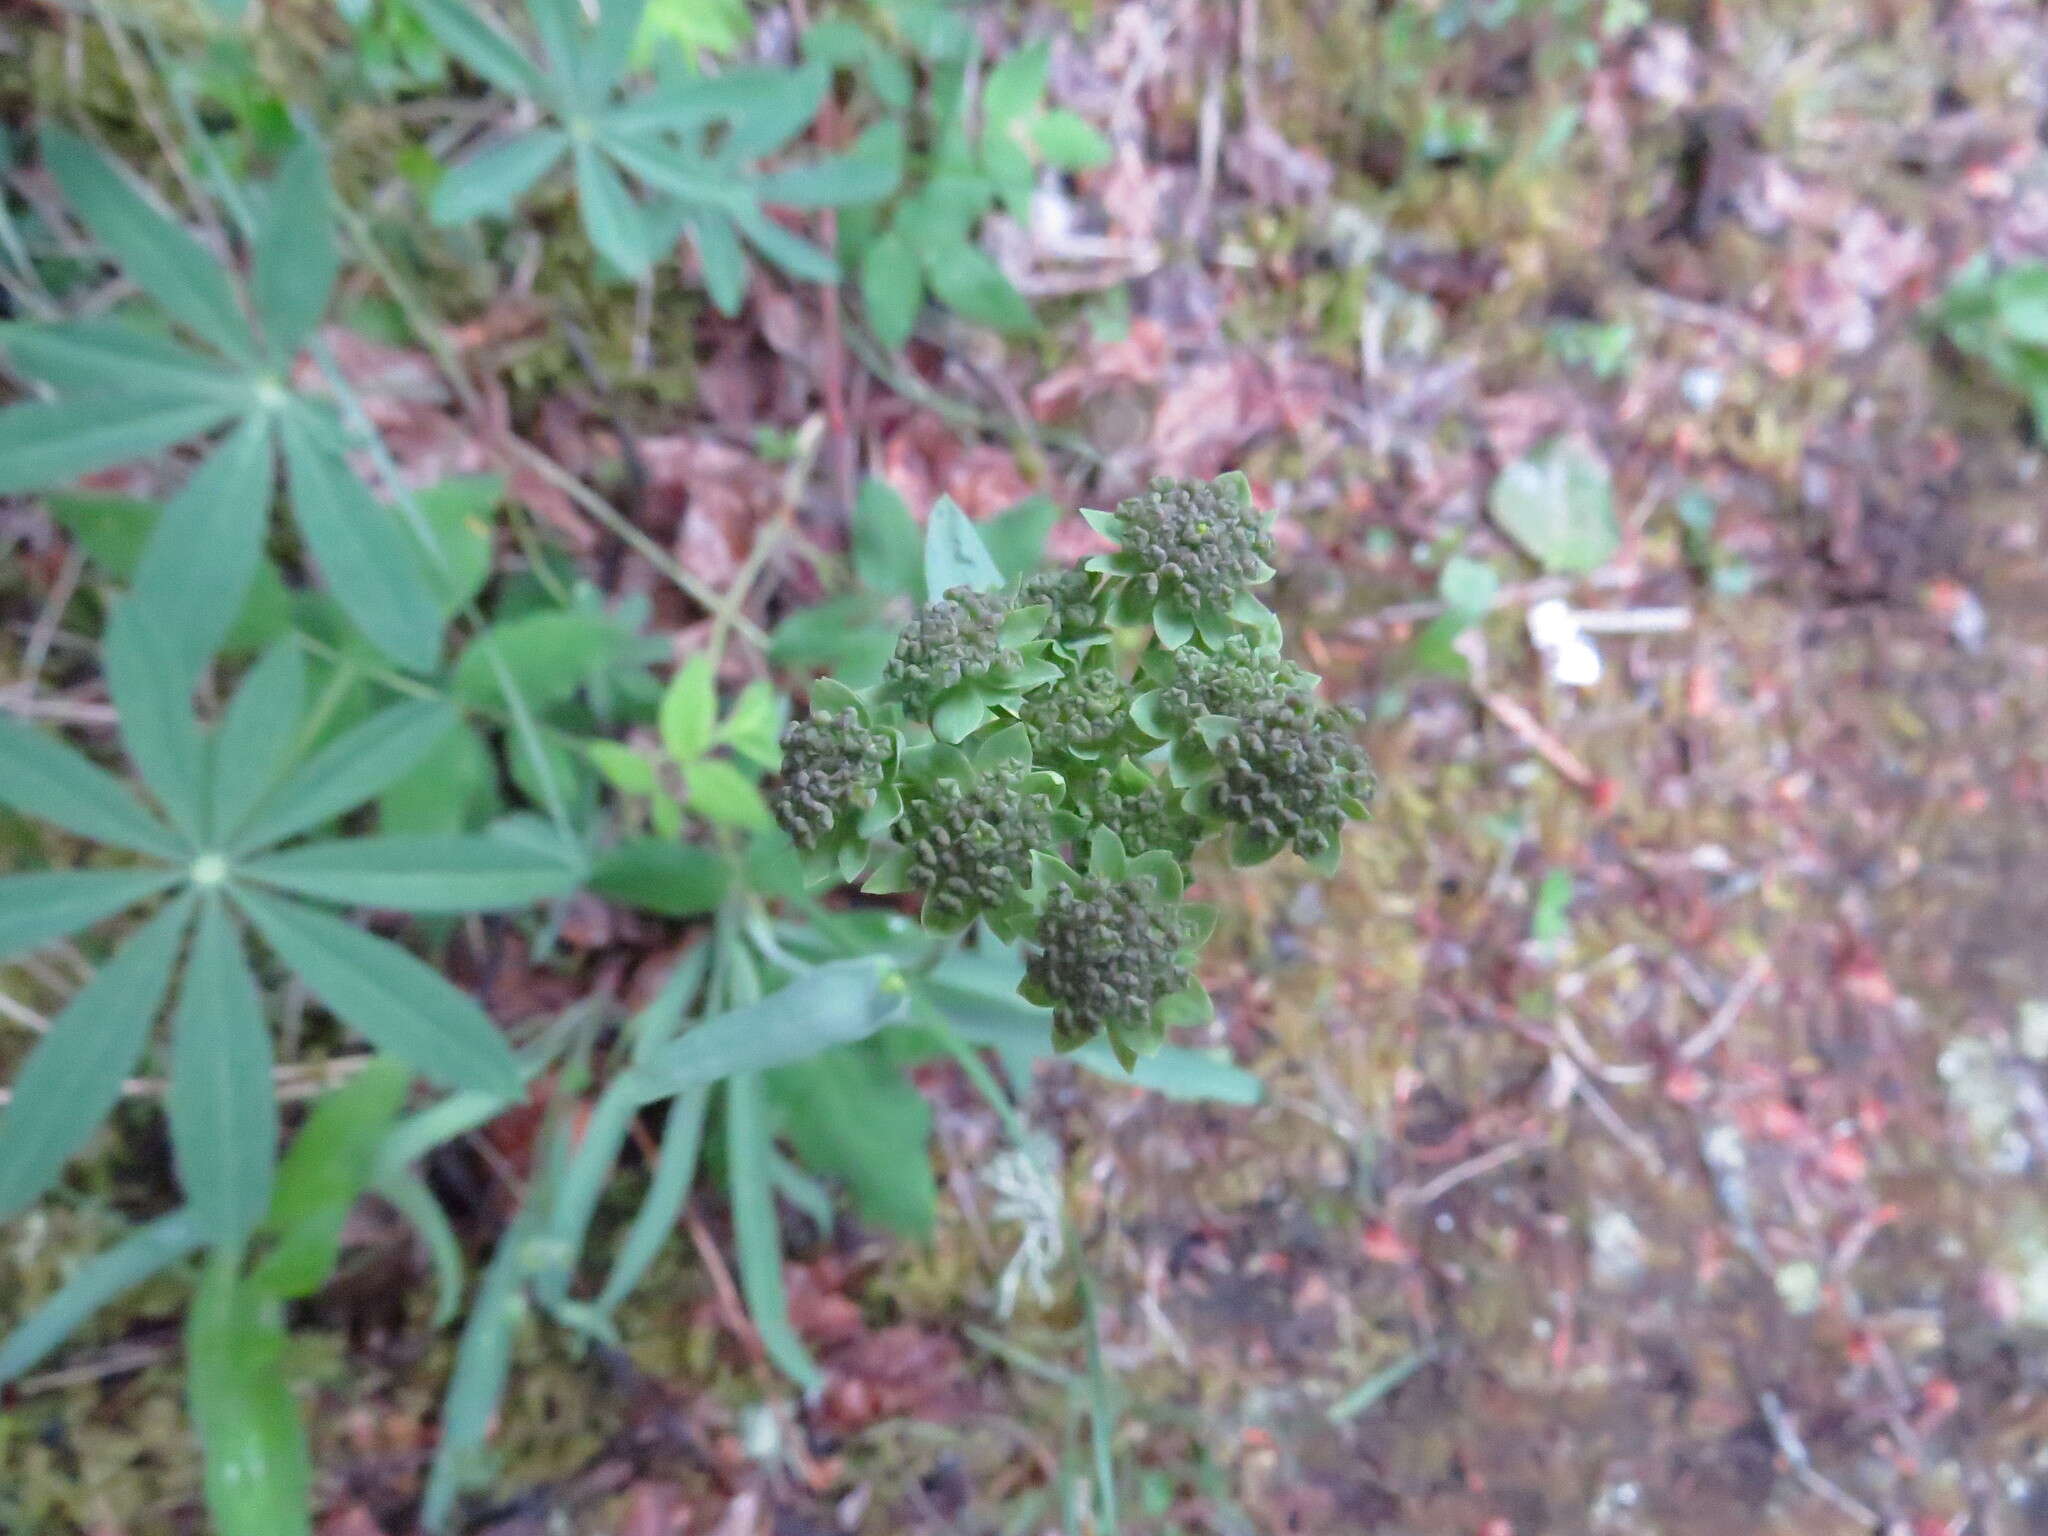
[254, 741]
[356, 765]
[34, 909]
[43, 778]
[74, 1075]
[366, 559]
[259, 1474]
[295, 260]
[610, 216]
[496, 179]
[400, 1005]
[222, 1108]
[202, 554]
[483, 46]
[53, 442]
[151, 690]
[109, 357]
[749, 1154]
[171, 267]
[103, 1277]
[416, 874]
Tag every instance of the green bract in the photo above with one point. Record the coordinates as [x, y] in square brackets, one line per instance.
[1046, 755]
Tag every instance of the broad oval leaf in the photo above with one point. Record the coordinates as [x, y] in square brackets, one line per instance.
[43, 778]
[954, 555]
[349, 770]
[221, 1104]
[34, 909]
[689, 709]
[888, 553]
[73, 1077]
[415, 873]
[393, 1000]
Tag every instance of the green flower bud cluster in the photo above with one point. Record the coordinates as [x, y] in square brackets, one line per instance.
[1082, 715]
[955, 640]
[1047, 757]
[832, 770]
[1291, 775]
[1107, 953]
[1187, 537]
[969, 843]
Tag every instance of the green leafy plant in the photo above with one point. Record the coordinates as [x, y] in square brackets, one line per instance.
[692, 144]
[1999, 315]
[129, 387]
[986, 151]
[228, 859]
[1044, 756]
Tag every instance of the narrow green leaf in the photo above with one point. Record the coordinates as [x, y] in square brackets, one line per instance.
[720, 792]
[756, 1234]
[611, 47]
[689, 709]
[415, 874]
[151, 689]
[775, 105]
[41, 777]
[393, 1000]
[369, 564]
[793, 254]
[111, 357]
[52, 443]
[832, 1005]
[73, 1076]
[173, 268]
[836, 182]
[852, 1113]
[409, 1196]
[610, 216]
[492, 182]
[329, 1164]
[559, 25]
[296, 260]
[201, 558]
[448, 790]
[482, 45]
[888, 554]
[483, 1362]
[253, 742]
[659, 874]
[954, 555]
[975, 288]
[221, 1106]
[103, 1277]
[351, 769]
[719, 255]
[259, 1476]
[655, 1222]
[34, 909]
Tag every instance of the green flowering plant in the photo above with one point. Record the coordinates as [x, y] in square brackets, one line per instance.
[1044, 756]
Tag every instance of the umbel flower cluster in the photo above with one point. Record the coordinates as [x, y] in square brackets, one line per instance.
[1046, 757]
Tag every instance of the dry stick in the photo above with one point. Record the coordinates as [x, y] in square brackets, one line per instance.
[1471, 1168]
[304, 1081]
[1793, 1449]
[1516, 718]
[1725, 1016]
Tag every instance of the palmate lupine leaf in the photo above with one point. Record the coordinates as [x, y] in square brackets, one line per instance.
[661, 138]
[234, 796]
[125, 392]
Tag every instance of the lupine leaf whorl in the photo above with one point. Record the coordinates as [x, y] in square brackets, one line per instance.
[1196, 538]
[946, 643]
[970, 842]
[1076, 609]
[1107, 952]
[1082, 715]
[1288, 773]
[1143, 818]
[1237, 679]
[832, 768]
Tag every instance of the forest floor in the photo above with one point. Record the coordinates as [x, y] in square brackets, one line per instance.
[1656, 1107]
